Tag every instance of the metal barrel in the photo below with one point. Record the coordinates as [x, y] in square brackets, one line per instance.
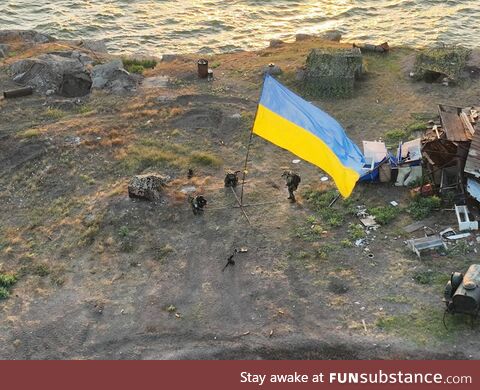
[202, 68]
[14, 93]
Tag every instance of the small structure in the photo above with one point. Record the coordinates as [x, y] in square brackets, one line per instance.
[148, 186]
[436, 64]
[332, 72]
[446, 146]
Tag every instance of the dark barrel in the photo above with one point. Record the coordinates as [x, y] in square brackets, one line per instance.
[202, 68]
[466, 298]
[18, 92]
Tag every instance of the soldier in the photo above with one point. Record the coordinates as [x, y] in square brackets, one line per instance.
[292, 181]
[190, 173]
[198, 203]
[231, 179]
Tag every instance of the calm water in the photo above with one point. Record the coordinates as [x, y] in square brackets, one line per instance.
[175, 26]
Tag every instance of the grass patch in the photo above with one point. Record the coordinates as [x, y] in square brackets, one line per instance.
[356, 232]
[393, 137]
[429, 277]
[422, 207]
[308, 233]
[30, 133]
[87, 179]
[133, 65]
[41, 270]
[163, 252]
[205, 159]
[385, 214]
[396, 299]
[319, 202]
[53, 113]
[423, 325]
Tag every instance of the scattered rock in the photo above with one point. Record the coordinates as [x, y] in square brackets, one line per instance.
[300, 74]
[64, 74]
[169, 57]
[275, 43]
[332, 35]
[148, 186]
[113, 77]
[188, 189]
[98, 46]
[303, 37]
[72, 140]
[25, 35]
[272, 69]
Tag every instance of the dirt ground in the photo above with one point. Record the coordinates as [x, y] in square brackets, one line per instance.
[102, 276]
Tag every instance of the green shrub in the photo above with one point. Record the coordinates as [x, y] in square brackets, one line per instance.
[4, 293]
[134, 65]
[124, 231]
[422, 207]
[319, 201]
[395, 136]
[8, 279]
[355, 232]
[385, 214]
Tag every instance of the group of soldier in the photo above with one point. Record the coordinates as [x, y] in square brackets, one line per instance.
[292, 180]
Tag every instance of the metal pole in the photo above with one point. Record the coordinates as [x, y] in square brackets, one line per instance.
[241, 206]
[246, 162]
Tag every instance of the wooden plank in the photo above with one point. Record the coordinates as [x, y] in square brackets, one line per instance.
[413, 227]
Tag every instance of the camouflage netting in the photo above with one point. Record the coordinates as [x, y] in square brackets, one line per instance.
[448, 61]
[332, 72]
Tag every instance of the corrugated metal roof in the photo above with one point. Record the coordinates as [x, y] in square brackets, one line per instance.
[472, 165]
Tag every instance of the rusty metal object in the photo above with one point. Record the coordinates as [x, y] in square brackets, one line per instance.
[202, 68]
[462, 292]
[14, 93]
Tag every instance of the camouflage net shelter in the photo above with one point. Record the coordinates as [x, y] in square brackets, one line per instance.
[331, 72]
[432, 64]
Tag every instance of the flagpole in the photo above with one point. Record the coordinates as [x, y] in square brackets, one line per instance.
[250, 143]
[246, 159]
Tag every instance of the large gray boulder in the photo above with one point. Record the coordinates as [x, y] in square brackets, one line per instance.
[98, 46]
[332, 35]
[63, 73]
[25, 35]
[114, 78]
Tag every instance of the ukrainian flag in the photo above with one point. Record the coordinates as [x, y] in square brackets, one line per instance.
[288, 121]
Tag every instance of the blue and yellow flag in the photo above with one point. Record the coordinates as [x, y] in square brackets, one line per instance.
[288, 121]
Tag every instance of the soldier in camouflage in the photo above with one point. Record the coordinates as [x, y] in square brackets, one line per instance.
[292, 180]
